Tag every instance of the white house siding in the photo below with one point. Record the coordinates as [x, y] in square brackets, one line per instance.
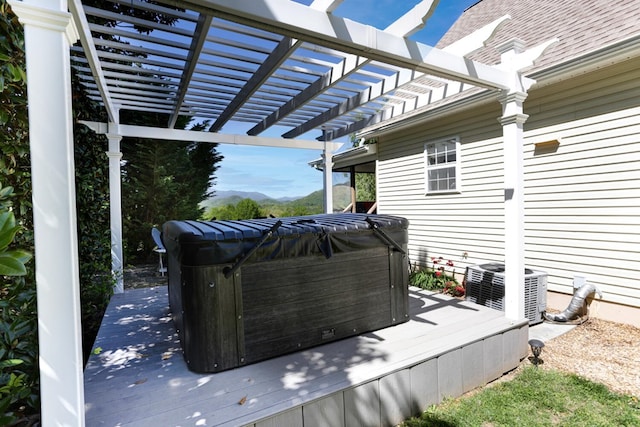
[448, 225]
[582, 202]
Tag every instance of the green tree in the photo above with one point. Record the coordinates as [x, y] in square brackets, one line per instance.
[365, 182]
[162, 180]
[365, 187]
[296, 209]
[248, 209]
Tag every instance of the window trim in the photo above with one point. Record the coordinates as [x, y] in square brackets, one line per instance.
[428, 168]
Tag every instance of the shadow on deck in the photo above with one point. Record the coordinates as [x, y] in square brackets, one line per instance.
[137, 376]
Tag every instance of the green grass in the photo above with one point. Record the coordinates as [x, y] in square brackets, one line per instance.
[536, 397]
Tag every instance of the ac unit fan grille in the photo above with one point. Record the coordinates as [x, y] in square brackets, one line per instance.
[485, 286]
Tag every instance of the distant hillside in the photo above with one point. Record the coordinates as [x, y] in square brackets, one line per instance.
[253, 195]
[306, 205]
[224, 198]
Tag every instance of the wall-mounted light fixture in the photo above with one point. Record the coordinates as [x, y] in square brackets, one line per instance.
[546, 147]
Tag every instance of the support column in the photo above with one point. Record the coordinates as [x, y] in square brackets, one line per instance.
[328, 177]
[512, 121]
[49, 32]
[352, 179]
[115, 205]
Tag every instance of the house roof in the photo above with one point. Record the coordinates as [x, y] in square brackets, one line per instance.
[581, 26]
[590, 33]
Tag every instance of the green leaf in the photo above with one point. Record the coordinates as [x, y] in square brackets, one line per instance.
[21, 255]
[10, 363]
[10, 266]
[5, 192]
[8, 229]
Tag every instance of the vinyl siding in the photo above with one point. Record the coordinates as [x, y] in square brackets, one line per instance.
[582, 202]
[448, 225]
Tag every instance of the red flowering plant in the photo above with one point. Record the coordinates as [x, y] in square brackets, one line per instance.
[438, 277]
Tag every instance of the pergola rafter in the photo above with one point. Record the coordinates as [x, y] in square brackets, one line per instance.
[238, 50]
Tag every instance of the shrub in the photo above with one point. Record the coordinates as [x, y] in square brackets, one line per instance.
[436, 278]
[18, 338]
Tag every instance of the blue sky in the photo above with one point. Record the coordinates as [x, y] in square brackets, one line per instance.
[281, 172]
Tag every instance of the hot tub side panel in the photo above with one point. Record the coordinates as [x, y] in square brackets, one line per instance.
[292, 304]
[212, 334]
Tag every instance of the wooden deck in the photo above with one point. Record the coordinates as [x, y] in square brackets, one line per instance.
[139, 378]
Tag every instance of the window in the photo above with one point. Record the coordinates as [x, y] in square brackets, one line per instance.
[442, 166]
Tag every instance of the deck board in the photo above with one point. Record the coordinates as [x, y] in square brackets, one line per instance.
[139, 378]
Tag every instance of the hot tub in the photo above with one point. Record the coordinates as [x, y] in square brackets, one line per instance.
[244, 291]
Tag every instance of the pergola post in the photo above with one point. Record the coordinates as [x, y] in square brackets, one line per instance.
[512, 121]
[49, 32]
[115, 206]
[354, 196]
[327, 173]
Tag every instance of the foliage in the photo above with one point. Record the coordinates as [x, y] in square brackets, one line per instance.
[162, 181]
[12, 261]
[15, 162]
[365, 182]
[18, 373]
[365, 187]
[92, 210]
[244, 209]
[309, 205]
[19, 376]
[247, 209]
[536, 398]
[436, 278]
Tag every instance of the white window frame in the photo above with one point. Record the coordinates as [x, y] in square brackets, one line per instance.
[445, 148]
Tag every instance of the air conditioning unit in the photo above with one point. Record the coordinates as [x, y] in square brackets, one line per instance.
[485, 286]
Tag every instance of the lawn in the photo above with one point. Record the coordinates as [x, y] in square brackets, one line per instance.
[535, 397]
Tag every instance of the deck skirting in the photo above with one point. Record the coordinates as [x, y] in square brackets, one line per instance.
[138, 376]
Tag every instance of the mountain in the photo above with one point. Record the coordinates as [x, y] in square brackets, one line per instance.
[312, 202]
[232, 197]
[253, 195]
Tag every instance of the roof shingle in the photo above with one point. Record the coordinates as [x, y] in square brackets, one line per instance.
[582, 26]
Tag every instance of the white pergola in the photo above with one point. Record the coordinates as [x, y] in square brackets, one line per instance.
[265, 63]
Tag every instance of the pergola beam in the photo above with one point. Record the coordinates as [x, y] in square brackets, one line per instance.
[414, 20]
[326, 5]
[133, 131]
[304, 23]
[405, 25]
[77, 11]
